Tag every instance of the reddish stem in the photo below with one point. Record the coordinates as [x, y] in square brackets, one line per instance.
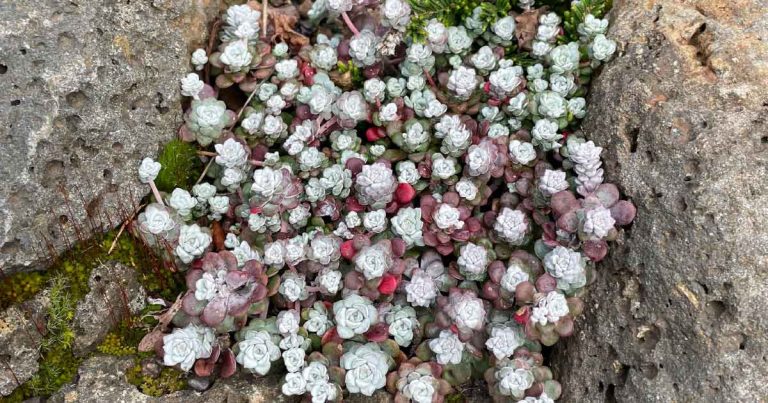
[429, 79]
[156, 192]
[349, 23]
[325, 127]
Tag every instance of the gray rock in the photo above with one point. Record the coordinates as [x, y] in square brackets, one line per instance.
[102, 379]
[115, 294]
[21, 332]
[89, 88]
[199, 383]
[678, 311]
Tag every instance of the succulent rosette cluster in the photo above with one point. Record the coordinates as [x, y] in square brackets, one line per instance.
[387, 211]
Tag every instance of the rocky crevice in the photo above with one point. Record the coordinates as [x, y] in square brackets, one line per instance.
[675, 313]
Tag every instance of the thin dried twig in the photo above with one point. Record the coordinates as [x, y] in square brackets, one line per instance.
[240, 112]
[264, 14]
[205, 171]
[122, 228]
[211, 42]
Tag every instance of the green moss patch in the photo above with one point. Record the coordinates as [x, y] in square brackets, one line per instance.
[67, 281]
[180, 166]
[170, 380]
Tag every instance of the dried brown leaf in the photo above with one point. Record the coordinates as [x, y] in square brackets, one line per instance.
[218, 235]
[527, 23]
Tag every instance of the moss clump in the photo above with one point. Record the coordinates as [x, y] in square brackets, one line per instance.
[152, 274]
[180, 166]
[57, 363]
[68, 282]
[124, 338]
[170, 380]
[20, 287]
[115, 344]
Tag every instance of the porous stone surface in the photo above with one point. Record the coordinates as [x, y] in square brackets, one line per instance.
[89, 88]
[678, 311]
[22, 328]
[115, 294]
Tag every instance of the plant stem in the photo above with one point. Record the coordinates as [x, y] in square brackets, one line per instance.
[202, 175]
[325, 126]
[240, 112]
[156, 192]
[429, 79]
[264, 8]
[349, 23]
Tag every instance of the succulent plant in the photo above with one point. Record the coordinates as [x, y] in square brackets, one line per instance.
[186, 345]
[403, 199]
[220, 293]
[158, 224]
[419, 382]
[447, 221]
[366, 368]
[206, 120]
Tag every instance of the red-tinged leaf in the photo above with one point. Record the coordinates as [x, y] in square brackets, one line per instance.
[524, 292]
[405, 193]
[204, 368]
[191, 305]
[186, 134]
[496, 271]
[236, 279]
[563, 202]
[375, 133]
[564, 326]
[348, 249]
[596, 250]
[378, 333]
[522, 315]
[354, 205]
[445, 249]
[222, 81]
[214, 313]
[331, 336]
[490, 291]
[228, 364]
[623, 212]
[388, 284]
[546, 283]
[355, 165]
[568, 222]
[192, 276]
[398, 247]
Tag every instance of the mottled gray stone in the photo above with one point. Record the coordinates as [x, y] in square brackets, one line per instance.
[102, 379]
[115, 293]
[678, 311]
[89, 88]
[21, 332]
